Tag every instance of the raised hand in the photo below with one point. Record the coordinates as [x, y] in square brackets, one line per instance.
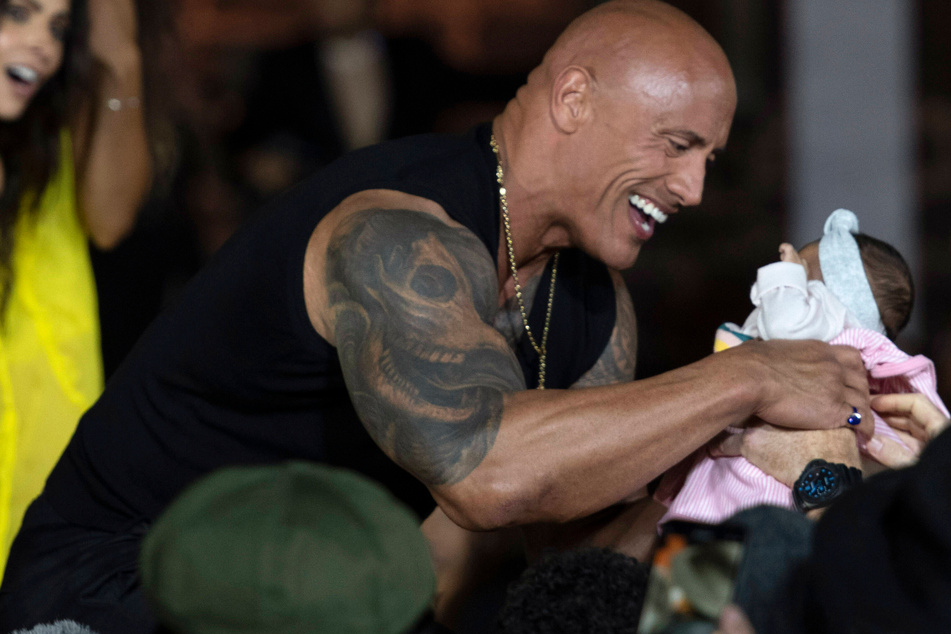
[113, 29]
[809, 384]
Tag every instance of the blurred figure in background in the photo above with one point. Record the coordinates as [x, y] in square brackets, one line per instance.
[75, 164]
[277, 90]
[274, 91]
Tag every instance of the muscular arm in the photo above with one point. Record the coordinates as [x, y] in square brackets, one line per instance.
[411, 301]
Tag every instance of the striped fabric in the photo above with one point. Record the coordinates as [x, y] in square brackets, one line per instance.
[716, 488]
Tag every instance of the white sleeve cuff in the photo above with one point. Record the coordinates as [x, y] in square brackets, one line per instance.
[779, 275]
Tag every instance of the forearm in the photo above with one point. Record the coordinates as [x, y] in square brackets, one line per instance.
[115, 165]
[563, 454]
[559, 455]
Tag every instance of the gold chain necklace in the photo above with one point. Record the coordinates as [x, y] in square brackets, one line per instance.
[542, 349]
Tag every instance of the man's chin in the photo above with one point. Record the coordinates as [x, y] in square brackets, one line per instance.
[618, 254]
[623, 259]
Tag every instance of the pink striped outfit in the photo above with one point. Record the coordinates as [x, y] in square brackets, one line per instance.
[716, 488]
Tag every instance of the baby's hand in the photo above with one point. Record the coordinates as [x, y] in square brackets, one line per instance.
[788, 253]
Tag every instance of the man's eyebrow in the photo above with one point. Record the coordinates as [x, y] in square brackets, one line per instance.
[36, 6]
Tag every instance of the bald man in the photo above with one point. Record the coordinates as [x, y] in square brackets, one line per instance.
[421, 290]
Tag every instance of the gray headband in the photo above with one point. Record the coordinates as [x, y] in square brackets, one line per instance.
[842, 269]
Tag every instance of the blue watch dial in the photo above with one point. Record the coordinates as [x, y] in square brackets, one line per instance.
[821, 482]
[818, 484]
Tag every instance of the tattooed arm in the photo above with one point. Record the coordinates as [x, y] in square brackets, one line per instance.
[616, 363]
[410, 300]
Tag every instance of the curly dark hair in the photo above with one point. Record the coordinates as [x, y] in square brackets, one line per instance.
[583, 590]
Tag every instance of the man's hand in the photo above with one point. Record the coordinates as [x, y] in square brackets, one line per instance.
[916, 420]
[783, 453]
[809, 384]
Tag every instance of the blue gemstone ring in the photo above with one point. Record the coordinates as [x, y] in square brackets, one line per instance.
[855, 418]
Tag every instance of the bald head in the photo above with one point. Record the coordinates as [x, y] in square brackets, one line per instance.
[629, 44]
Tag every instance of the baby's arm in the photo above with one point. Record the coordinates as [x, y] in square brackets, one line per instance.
[788, 306]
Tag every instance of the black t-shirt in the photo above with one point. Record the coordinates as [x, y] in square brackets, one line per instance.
[234, 373]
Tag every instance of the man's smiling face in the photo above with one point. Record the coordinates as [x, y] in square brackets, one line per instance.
[645, 156]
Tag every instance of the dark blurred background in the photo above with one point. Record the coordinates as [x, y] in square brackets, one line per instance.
[263, 92]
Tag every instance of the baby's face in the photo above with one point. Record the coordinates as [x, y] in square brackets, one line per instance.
[807, 257]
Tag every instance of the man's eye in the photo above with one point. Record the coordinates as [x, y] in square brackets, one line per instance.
[679, 147]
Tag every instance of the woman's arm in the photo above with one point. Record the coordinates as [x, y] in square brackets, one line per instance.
[114, 166]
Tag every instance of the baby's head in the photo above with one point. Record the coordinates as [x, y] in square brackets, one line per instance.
[886, 270]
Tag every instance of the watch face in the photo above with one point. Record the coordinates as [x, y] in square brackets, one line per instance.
[821, 482]
[818, 484]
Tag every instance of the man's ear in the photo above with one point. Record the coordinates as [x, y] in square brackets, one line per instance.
[571, 98]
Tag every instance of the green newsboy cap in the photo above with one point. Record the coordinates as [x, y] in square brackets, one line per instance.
[297, 547]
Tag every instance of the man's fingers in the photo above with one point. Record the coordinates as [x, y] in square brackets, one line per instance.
[890, 453]
[819, 386]
[855, 379]
[851, 361]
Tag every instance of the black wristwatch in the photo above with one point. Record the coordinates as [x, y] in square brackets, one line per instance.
[821, 482]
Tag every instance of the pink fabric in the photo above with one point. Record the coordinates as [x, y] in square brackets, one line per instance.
[716, 488]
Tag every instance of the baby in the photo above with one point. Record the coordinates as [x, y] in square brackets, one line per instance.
[846, 288]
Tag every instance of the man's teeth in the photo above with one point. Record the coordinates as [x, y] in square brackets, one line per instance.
[648, 208]
[23, 73]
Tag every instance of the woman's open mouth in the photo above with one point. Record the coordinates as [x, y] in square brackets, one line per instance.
[25, 80]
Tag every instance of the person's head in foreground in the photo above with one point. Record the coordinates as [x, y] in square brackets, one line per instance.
[298, 547]
[584, 590]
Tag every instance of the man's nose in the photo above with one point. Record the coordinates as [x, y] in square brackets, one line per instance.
[686, 182]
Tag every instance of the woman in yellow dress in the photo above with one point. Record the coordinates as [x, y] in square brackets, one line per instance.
[74, 166]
